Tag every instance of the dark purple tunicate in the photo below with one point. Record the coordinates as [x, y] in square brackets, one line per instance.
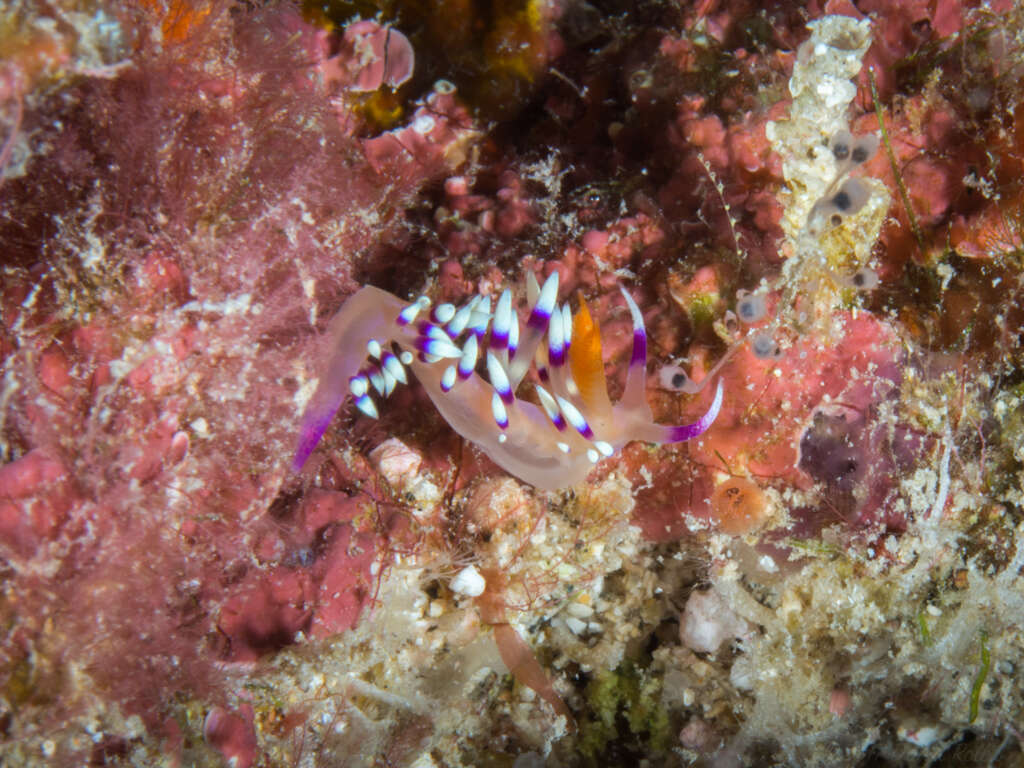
[829, 454]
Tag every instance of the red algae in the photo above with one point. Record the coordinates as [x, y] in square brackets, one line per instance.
[232, 735]
[133, 381]
[35, 497]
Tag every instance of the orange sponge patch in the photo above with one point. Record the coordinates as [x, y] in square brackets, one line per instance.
[739, 506]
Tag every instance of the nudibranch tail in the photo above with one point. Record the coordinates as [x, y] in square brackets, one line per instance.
[665, 434]
[376, 337]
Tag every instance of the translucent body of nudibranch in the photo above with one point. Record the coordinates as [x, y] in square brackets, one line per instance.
[376, 338]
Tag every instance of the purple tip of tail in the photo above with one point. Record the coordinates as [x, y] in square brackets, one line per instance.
[639, 356]
[313, 428]
[699, 427]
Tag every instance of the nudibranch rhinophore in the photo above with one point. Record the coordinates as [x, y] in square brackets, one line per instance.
[376, 337]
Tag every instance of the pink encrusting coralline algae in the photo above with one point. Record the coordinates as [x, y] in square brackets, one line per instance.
[551, 446]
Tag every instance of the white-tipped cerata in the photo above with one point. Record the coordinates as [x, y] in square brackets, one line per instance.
[499, 379]
[481, 317]
[448, 378]
[574, 417]
[443, 313]
[502, 324]
[467, 362]
[365, 404]
[409, 314]
[566, 325]
[550, 407]
[376, 379]
[461, 319]
[498, 411]
[439, 348]
[394, 367]
[357, 385]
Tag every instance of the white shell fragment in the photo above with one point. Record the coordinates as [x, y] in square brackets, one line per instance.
[468, 582]
[575, 626]
[707, 622]
[396, 461]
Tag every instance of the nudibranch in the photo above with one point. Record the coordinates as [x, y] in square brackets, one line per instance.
[376, 338]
